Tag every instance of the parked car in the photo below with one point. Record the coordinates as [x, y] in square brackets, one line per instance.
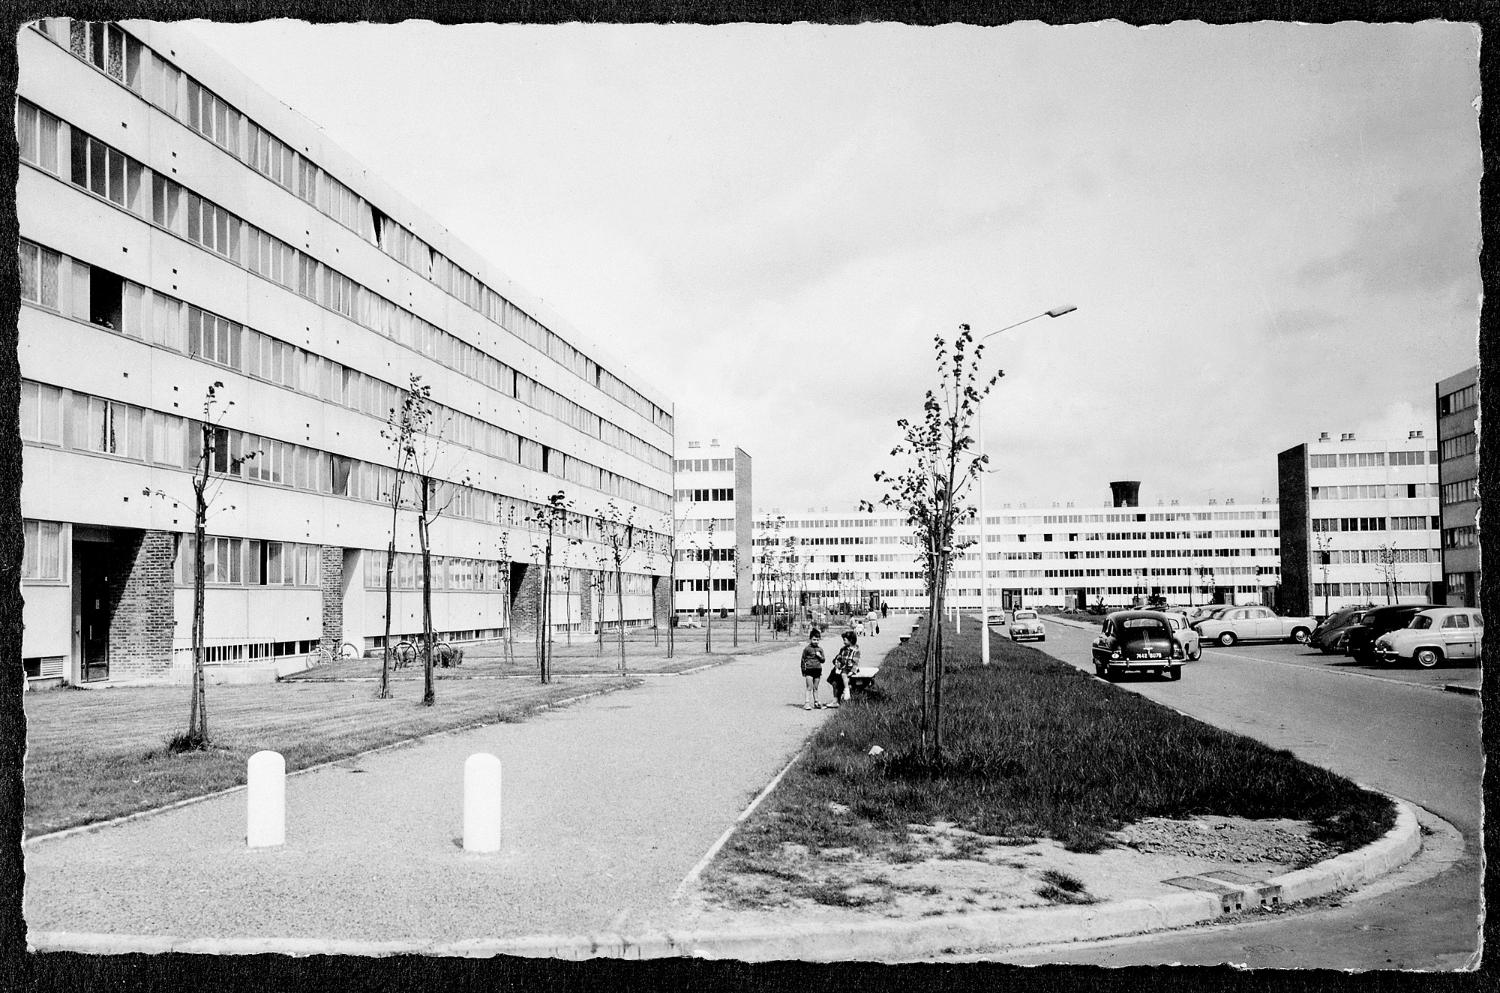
[1432, 636]
[1138, 641]
[1184, 634]
[1025, 623]
[1254, 624]
[1329, 635]
[1206, 611]
[1359, 642]
[995, 618]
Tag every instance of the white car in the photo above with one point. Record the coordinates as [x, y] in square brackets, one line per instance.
[1253, 623]
[1431, 636]
[1184, 635]
[1026, 624]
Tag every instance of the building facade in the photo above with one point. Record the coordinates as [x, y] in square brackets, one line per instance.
[1064, 555]
[1359, 522]
[1458, 485]
[713, 508]
[183, 231]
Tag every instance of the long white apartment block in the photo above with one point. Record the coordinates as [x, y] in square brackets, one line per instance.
[181, 227]
[1061, 555]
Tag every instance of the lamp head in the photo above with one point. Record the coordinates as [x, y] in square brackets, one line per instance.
[1059, 311]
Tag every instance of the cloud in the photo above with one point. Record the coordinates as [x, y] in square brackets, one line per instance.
[1426, 241]
[1297, 321]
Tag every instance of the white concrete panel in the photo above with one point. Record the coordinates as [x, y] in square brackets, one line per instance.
[48, 616]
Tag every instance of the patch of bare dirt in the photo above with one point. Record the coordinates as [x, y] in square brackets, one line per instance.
[945, 869]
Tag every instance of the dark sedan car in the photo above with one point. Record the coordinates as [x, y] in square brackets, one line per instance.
[1329, 635]
[1137, 641]
[1359, 643]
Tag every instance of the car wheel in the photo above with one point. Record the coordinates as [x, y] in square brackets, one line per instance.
[1326, 650]
[1427, 658]
[1110, 674]
[1197, 654]
[1174, 672]
[1300, 635]
[1226, 639]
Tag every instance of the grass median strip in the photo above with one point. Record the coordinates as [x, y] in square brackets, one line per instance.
[97, 754]
[1033, 748]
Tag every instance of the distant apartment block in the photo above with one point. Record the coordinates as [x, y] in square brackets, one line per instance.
[1359, 522]
[1062, 555]
[1458, 482]
[713, 508]
[179, 227]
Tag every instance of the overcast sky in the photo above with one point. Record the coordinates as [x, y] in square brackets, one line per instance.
[1269, 230]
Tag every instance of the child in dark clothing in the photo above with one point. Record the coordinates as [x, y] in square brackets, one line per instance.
[845, 665]
[812, 669]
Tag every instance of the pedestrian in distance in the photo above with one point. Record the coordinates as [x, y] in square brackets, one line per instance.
[845, 665]
[812, 669]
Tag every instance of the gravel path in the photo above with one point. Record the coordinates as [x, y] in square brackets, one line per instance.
[607, 806]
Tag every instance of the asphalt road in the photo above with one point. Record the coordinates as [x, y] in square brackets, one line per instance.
[1394, 730]
[607, 805]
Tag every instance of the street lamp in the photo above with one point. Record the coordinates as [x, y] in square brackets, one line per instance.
[984, 559]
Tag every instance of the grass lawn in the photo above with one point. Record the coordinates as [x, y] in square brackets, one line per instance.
[1034, 748]
[96, 754]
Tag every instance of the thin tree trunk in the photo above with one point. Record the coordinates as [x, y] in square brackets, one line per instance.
[672, 596]
[547, 615]
[429, 695]
[390, 566]
[198, 702]
[620, 607]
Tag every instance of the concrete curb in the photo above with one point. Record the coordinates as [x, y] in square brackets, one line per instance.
[1465, 690]
[875, 940]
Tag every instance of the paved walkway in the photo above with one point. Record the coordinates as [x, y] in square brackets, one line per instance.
[608, 804]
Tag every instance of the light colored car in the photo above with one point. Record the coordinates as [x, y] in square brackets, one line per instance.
[995, 618]
[1184, 635]
[689, 622]
[1452, 633]
[1253, 623]
[1026, 624]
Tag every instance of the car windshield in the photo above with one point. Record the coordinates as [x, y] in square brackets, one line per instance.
[1140, 628]
[1025, 615]
[1421, 621]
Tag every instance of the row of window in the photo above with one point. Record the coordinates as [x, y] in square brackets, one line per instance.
[1362, 460]
[1461, 537]
[709, 495]
[705, 555]
[1458, 447]
[1420, 522]
[249, 562]
[1372, 591]
[99, 296]
[114, 176]
[1461, 399]
[120, 55]
[704, 465]
[1464, 489]
[701, 585]
[1372, 556]
[1375, 491]
[721, 524]
[54, 416]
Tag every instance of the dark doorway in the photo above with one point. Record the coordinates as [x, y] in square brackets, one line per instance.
[92, 564]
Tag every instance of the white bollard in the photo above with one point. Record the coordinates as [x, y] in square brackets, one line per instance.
[265, 800]
[482, 803]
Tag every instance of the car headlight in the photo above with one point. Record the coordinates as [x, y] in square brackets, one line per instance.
[1115, 654]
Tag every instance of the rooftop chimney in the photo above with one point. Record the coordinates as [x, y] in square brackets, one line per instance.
[1126, 492]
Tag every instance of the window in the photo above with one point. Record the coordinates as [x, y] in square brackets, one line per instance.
[39, 275]
[108, 48]
[45, 559]
[41, 413]
[37, 133]
[1458, 447]
[215, 119]
[213, 227]
[1458, 400]
[1456, 621]
[104, 171]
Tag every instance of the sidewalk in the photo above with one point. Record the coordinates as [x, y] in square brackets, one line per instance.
[608, 805]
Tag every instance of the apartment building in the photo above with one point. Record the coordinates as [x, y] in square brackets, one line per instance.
[181, 229]
[1458, 485]
[713, 507]
[1063, 555]
[1359, 522]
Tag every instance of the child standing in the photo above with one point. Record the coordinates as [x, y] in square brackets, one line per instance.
[845, 665]
[812, 669]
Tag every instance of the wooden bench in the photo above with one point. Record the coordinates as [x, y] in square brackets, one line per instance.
[864, 677]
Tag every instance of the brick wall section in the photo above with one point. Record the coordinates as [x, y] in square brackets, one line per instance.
[525, 596]
[331, 583]
[140, 588]
[661, 600]
[585, 589]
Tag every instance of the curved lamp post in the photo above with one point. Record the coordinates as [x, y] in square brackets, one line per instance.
[984, 562]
